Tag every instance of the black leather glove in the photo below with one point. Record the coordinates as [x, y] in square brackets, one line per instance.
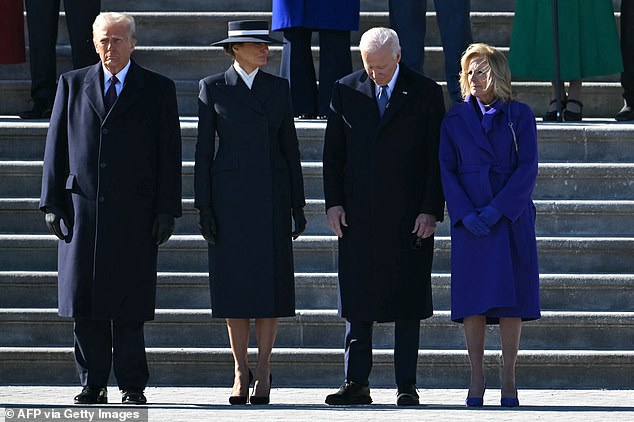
[300, 222]
[53, 219]
[163, 228]
[207, 225]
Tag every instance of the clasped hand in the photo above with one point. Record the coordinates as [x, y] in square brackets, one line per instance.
[481, 221]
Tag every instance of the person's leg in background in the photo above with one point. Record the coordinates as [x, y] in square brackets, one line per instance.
[297, 66]
[41, 18]
[407, 18]
[627, 51]
[335, 62]
[454, 23]
[80, 14]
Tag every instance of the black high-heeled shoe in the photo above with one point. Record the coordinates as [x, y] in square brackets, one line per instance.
[573, 116]
[237, 400]
[257, 400]
[551, 116]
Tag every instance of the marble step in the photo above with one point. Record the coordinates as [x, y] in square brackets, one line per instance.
[265, 5]
[23, 327]
[190, 290]
[195, 62]
[200, 28]
[602, 99]
[187, 253]
[597, 141]
[556, 181]
[324, 367]
[554, 218]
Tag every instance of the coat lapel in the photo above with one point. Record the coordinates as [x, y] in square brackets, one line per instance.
[93, 89]
[263, 88]
[132, 89]
[365, 87]
[470, 117]
[236, 88]
[399, 97]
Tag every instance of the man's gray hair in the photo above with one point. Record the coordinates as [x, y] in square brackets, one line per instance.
[111, 18]
[375, 39]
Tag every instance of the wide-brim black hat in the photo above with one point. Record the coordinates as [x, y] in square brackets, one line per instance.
[248, 31]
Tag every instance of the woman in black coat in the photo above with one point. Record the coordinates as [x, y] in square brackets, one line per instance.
[246, 193]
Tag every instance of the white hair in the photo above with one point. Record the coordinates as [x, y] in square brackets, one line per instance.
[375, 39]
[106, 19]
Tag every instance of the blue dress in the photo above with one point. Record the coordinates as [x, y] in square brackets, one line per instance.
[497, 275]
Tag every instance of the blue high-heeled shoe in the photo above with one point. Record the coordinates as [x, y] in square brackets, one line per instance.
[476, 401]
[509, 402]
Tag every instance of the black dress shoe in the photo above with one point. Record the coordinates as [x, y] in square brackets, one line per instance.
[39, 111]
[573, 116]
[132, 396]
[407, 395]
[626, 113]
[350, 393]
[306, 116]
[91, 395]
[551, 116]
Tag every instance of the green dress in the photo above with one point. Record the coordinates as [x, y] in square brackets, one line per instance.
[588, 40]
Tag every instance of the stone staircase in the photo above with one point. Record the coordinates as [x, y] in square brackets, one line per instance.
[585, 231]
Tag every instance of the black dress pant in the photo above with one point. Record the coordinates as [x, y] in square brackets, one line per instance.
[100, 344]
[297, 66]
[42, 17]
[358, 351]
[627, 50]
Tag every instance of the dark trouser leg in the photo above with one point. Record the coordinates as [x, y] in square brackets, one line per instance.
[358, 351]
[93, 351]
[80, 14]
[455, 31]
[406, 337]
[407, 18]
[41, 17]
[297, 66]
[627, 50]
[130, 363]
[334, 63]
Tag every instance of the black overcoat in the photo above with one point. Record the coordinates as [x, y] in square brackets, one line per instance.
[252, 182]
[112, 173]
[384, 172]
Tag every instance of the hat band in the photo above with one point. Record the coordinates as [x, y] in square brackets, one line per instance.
[248, 32]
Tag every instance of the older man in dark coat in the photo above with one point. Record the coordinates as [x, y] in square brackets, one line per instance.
[383, 198]
[111, 189]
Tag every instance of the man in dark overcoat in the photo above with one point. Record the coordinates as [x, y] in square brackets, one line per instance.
[383, 199]
[111, 189]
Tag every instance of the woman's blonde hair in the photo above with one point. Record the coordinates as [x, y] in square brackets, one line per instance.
[496, 68]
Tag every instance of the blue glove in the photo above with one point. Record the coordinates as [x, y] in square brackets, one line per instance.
[476, 225]
[490, 216]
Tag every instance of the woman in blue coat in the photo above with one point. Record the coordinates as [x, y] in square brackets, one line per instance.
[488, 158]
[333, 19]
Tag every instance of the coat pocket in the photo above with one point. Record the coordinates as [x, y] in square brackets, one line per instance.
[225, 164]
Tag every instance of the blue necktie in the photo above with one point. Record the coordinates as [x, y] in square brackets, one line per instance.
[111, 94]
[382, 99]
